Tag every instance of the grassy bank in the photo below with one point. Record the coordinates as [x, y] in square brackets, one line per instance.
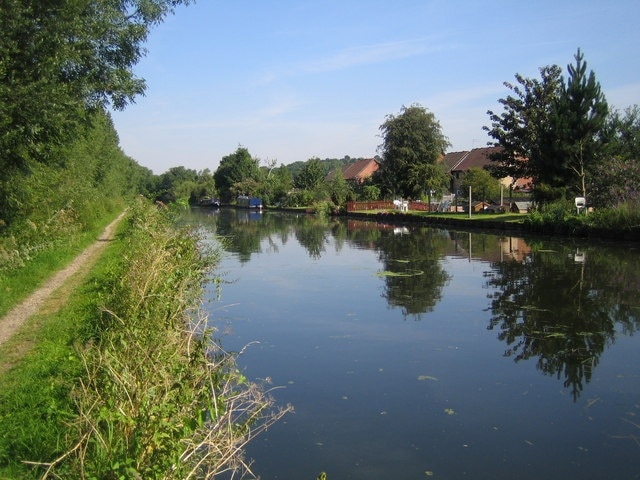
[126, 381]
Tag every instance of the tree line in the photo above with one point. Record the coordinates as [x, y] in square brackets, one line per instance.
[557, 132]
[301, 183]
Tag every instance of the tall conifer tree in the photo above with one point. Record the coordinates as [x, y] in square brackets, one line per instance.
[578, 126]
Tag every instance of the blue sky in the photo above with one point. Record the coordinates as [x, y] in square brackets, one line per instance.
[291, 80]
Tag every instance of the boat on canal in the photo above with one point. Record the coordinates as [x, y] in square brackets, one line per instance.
[244, 201]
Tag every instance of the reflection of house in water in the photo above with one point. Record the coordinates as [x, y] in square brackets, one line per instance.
[515, 248]
[488, 247]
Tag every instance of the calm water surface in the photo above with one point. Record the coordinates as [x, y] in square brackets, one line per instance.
[414, 353]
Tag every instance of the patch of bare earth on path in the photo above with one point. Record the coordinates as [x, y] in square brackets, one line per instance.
[52, 294]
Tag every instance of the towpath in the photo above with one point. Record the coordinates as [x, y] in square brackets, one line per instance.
[51, 295]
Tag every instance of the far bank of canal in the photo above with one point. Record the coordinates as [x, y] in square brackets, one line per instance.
[413, 351]
[502, 224]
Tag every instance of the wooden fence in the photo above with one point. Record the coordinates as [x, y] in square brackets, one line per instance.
[422, 206]
[377, 205]
[385, 205]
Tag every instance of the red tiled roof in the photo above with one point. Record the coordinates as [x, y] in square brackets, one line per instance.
[451, 159]
[360, 170]
[476, 158]
[522, 184]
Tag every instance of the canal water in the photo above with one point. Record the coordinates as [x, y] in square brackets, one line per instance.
[415, 352]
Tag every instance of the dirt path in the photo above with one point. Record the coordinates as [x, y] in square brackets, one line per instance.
[48, 296]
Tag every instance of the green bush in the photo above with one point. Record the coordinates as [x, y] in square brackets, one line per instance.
[299, 198]
[625, 216]
[559, 216]
[323, 208]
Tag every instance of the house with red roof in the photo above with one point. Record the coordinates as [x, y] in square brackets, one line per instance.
[358, 171]
[458, 163]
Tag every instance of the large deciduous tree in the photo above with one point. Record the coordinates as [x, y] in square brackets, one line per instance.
[410, 139]
[521, 128]
[234, 169]
[61, 58]
[428, 179]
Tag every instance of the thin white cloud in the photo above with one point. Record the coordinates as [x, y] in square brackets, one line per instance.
[354, 56]
[371, 54]
[240, 120]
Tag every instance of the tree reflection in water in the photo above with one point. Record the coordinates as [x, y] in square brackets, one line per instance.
[563, 307]
[416, 275]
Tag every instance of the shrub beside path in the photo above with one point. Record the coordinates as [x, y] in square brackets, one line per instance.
[59, 285]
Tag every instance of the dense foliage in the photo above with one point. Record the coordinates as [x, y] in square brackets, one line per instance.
[520, 128]
[183, 184]
[62, 64]
[482, 184]
[52, 201]
[237, 173]
[311, 176]
[616, 180]
[559, 132]
[62, 59]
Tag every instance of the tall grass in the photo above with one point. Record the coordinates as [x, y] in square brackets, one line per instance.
[156, 396]
[562, 217]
